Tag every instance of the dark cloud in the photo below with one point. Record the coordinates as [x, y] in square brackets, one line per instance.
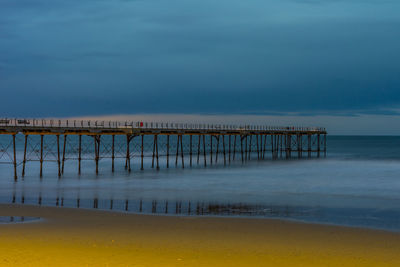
[64, 58]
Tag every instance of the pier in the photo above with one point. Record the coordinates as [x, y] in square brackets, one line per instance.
[176, 144]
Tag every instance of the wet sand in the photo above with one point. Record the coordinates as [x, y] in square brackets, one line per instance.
[76, 237]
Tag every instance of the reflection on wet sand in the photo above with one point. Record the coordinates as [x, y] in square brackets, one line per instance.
[16, 219]
[168, 207]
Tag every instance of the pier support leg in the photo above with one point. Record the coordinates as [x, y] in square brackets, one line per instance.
[198, 152]
[15, 159]
[299, 145]
[309, 145]
[154, 151]
[79, 154]
[58, 156]
[241, 147]
[211, 149]
[273, 146]
[41, 155]
[24, 161]
[258, 148]
[177, 150]
[246, 148]
[142, 153]
[325, 145]
[265, 145]
[190, 150]
[276, 146]
[286, 146]
[63, 156]
[216, 153]
[97, 151]
[167, 150]
[158, 166]
[223, 148]
[112, 152]
[183, 163]
[250, 144]
[128, 153]
[234, 147]
[229, 148]
[204, 151]
[319, 145]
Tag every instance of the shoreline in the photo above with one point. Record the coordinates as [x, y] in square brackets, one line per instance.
[250, 217]
[76, 237]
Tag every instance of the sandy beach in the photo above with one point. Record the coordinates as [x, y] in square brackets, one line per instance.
[73, 237]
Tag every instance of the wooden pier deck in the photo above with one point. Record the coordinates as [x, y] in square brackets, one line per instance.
[26, 140]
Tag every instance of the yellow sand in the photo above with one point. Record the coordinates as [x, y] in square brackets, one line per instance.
[71, 237]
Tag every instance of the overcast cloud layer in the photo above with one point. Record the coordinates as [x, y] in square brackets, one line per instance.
[71, 58]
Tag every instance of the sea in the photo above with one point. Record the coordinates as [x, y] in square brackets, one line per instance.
[357, 184]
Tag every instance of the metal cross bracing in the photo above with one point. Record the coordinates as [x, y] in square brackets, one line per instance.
[152, 145]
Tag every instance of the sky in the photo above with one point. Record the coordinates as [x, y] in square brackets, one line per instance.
[287, 61]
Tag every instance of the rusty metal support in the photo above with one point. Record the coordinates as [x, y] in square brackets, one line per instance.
[142, 153]
[204, 152]
[63, 156]
[58, 156]
[97, 151]
[265, 145]
[177, 150]
[198, 152]
[112, 152]
[128, 153]
[79, 153]
[15, 159]
[246, 148]
[250, 144]
[190, 150]
[299, 141]
[286, 147]
[216, 153]
[41, 155]
[273, 146]
[241, 147]
[24, 160]
[223, 148]
[211, 149]
[158, 166]
[277, 146]
[154, 151]
[229, 148]
[234, 147]
[167, 150]
[183, 163]
[258, 148]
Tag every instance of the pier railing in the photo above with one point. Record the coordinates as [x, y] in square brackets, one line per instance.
[97, 124]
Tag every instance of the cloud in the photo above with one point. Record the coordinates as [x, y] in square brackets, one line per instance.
[226, 57]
